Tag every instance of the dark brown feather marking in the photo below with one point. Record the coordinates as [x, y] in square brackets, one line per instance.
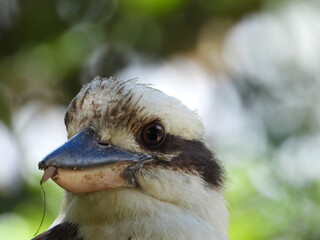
[67, 119]
[84, 97]
[73, 105]
[63, 231]
[71, 109]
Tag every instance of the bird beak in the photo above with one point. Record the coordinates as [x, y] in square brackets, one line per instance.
[84, 165]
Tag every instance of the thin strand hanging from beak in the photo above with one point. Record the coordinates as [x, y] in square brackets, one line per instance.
[48, 173]
[44, 208]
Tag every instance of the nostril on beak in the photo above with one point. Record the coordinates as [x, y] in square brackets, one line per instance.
[103, 143]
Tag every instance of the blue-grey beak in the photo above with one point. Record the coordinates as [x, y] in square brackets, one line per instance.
[84, 151]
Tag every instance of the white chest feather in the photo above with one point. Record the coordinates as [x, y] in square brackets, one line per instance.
[164, 226]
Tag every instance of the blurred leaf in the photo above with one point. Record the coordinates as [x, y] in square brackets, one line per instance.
[151, 7]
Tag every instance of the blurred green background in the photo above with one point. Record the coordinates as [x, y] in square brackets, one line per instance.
[250, 67]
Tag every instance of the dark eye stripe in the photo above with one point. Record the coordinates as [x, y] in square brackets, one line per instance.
[191, 156]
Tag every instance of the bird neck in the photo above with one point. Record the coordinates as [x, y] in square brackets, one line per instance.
[133, 209]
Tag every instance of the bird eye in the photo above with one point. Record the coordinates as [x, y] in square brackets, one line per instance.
[153, 134]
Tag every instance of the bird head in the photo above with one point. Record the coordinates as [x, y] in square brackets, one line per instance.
[131, 139]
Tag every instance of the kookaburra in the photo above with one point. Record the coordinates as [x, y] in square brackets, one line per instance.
[135, 167]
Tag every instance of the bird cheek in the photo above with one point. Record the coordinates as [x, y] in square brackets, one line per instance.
[92, 179]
